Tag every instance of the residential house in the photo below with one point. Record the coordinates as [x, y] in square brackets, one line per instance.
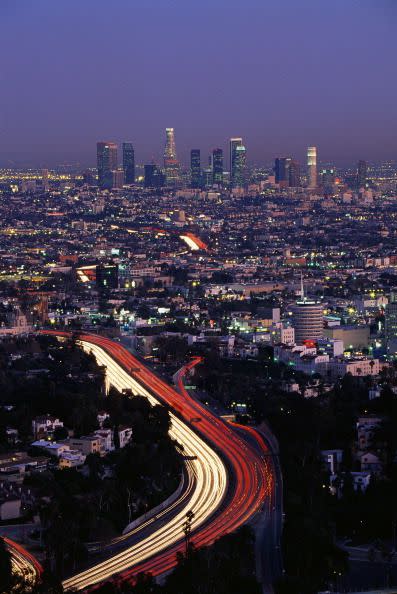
[44, 426]
[125, 434]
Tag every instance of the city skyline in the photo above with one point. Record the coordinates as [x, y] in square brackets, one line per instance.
[315, 80]
[198, 296]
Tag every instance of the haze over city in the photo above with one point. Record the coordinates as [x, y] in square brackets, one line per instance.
[283, 74]
[198, 297]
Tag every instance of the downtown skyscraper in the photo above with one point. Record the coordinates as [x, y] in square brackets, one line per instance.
[129, 162]
[362, 172]
[281, 170]
[294, 177]
[312, 166]
[171, 164]
[237, 162]
[106, 163]
[195, 168]
[217, 166]
[233, 144]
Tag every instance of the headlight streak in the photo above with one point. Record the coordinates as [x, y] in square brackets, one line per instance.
[233, 479]
[23, 563]
[211, 485]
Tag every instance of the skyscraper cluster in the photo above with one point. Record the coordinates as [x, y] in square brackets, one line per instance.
[109, 173]
[215, 174]
[212, 173]
[111, 176]
[287, 172]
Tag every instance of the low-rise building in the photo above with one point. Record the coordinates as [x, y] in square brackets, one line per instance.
[125, 434]
[106, 437]
[45, 425]
[14, 466]
[353, 337]
[356, 367]
[90, 444]
[14, 500]
[71, 459]
[366, 430]
[370, 462]
[360, 482]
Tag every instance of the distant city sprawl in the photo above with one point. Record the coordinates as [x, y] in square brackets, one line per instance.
[187, 351]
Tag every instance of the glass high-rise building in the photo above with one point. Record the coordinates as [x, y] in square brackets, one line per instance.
[217, 166]
[129, 162]
[195, 168]
[154, 177]
[362, 172]
[294, 176]
[327, 177]
[281, 170]
[239, 170]
[233, 144]
[106, 163]
[171, 164]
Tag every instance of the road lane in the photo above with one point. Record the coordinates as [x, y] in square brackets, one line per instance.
[232, 477]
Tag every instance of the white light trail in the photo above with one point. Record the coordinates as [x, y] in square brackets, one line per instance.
[209, 488]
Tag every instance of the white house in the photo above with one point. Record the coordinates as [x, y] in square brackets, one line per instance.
[106, 437]
[360, 480]
[45, 425]
[125, 434]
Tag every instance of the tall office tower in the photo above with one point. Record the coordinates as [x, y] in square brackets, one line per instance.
[171, 164]
[195, 168]
[233, 144]
[281, 170]
[312, 166]
[239, 167]
[129, 162]
[362, 172]
[106, 163]
[294, 174]
[207, 177]
[154, 177]
[391, 325]
[327, 177]
[217, 166]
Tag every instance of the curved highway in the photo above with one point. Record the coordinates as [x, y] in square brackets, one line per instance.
[231, 484]
[24, 563]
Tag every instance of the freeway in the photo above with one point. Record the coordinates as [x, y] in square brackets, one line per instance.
[268, 524]
[232, 478]
[23, 563]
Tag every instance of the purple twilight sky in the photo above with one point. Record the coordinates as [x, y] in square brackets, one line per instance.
[283, 74]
